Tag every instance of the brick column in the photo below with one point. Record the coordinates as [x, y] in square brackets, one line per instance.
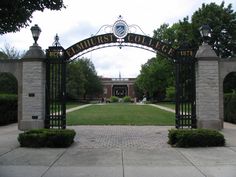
[207, 89]
[33, 89]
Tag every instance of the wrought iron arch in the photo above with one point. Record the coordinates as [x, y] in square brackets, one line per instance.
[110, 40]
[57, 57]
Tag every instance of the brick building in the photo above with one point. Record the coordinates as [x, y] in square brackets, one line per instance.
[119, 87]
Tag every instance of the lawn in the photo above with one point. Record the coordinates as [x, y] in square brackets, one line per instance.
[120, 114]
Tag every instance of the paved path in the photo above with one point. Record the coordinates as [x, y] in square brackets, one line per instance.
[117, 151]
[77, 107]
[122, 137]
[163, 108]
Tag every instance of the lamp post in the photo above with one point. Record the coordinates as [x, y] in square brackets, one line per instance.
[35, 51]
[35, 30]
[205, 32]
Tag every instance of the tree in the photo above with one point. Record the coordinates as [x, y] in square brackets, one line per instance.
[185, 32]
[3, 56]
[222, 21]
[8, 83]
[82, 80]
[155, 76]
[17, 14]
[177, 34]
[10, 52]
[75, 81]
[93, 85]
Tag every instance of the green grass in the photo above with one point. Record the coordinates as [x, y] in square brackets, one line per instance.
[120, 114]
[167, 104]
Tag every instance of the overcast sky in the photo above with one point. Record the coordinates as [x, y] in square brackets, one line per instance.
[81, 19]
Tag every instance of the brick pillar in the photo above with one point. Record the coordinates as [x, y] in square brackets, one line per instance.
[33, 89]
[207, 89]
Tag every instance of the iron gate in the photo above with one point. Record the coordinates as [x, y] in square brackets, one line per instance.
[185, 110]
[56, 79]
[55, 88]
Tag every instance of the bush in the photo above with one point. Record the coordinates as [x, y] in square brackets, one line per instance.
[127, 99]
[195, 138]
[47, 138]
[229, 107]
[8, 109]
[114, 99]
[170, 94]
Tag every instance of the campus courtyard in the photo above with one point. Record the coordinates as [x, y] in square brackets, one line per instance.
[182, 93]
[117, 151]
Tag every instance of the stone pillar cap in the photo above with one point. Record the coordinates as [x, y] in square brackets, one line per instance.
[206, 51]
[34, 52]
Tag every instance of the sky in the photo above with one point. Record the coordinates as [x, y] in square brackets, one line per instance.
[82, 19]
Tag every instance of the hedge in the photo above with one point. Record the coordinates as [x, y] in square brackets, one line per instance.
[170, 94]
[8, 109]
[56, 138]
[127, 99]
[114, 99]
[229, 107]
[195, 138]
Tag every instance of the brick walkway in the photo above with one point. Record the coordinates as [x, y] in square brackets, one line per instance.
[122, 137]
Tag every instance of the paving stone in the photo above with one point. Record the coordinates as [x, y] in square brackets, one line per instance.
[135, 137]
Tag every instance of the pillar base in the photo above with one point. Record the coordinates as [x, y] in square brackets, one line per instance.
[30, 124]
[210, 124]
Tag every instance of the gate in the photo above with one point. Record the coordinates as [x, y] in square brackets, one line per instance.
[57, 58]
[185, 108]
[55, 88]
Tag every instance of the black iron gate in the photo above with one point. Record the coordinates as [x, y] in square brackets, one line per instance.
[55, 88]
[185, 110]
[56, 78]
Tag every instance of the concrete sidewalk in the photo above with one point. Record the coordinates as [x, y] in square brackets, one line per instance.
[77, 108]
[117, 151]
[163, 108]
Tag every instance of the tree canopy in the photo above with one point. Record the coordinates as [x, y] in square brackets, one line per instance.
[153, 79]
[158, 73]
[8, 83]
[9, 52]
[17, 14]
[222, 21]
[82, 80]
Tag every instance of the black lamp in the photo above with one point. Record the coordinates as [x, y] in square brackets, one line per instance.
[205, 32]
[35, 30]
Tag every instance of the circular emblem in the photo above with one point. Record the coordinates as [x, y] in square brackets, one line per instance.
[120, 29]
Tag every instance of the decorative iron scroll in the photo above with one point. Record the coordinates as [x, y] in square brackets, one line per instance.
[120, 36]
[110, 38]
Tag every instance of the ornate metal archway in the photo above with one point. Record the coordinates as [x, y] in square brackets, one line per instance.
[57, 57]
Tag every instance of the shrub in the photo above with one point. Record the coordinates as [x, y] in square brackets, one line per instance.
[114, 99]
[47, 138]
[127, 99]
[195, 138]
[229, 107]
[8, 109]
[170, 94]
